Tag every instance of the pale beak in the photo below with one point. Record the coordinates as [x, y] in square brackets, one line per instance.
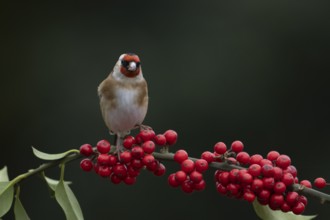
[132, 66]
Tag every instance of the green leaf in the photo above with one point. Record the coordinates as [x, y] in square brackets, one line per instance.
[265, 213]
[19, 211]
[68, 201]
[6, 197]
[4, 175]
[53, 183]
[46, 156]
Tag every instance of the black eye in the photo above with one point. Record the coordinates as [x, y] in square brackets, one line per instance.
[138, 64]
[124, 63]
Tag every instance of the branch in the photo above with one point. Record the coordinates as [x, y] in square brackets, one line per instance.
[42, 168]
[323, 197]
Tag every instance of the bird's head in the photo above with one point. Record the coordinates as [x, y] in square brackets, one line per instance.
[129, 65]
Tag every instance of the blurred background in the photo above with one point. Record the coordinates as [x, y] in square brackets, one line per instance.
[217, 71]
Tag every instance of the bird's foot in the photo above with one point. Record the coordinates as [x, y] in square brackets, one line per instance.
[143, 127]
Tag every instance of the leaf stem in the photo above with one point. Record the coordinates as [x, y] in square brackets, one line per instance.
[70, 157]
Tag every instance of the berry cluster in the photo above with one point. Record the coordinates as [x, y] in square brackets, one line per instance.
[126, 165]
[266, 179]
[269, 180]
[190, 177]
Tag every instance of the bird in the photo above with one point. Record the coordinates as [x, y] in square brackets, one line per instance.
[124, 97]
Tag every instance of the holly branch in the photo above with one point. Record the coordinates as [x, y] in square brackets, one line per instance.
[237, 174]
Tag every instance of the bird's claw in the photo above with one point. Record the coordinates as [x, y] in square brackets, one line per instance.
[144, 127]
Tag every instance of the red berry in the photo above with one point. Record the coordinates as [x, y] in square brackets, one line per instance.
[306, 183]
[148, 159]
[222, 189]
[264, 195]
[153, 166]
[86, 150]
[302, 199]
[160, 140]
[208, 156]
[180, 156]
[267, 170]
[292, 198]
[160, 171]
[146, 135]
[233, 189]
[128, 142]
[103, 146]
[171, 137]
[112, 160]
[195, 176]
[120, 171]
[180, 176]
[103, 159]
[224, 178]
[264, 162]
[273, 155]
[86, 165]
[148, 147]
[131, 171]
[283, 161]
[187, 166]
[320, 182]
[129, 180]
[201, 165]
[104, 171]
[233, 175]
[257, 185]
[125, 157]
[187, 186]
[172, 181]
[255, 159]
[254, 170]
[288, 179]
[237, 146]
[249, 196]
[136, 163]
[115, 179]
[243, 158]
[220, 148]
[285, 207]
[279, 187]
[278, 173]
[269, 182]
[246, 178]
[276, 201]
[298, 208]
[231, 160]
[200, 185]
[137, 152]
[138, 139]
[291, 169]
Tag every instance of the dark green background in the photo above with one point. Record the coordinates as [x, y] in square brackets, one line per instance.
[217, 71]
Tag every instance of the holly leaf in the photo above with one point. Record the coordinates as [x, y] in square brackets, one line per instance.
[4, 174]
[6, 197]
[19, 211]
[53, 183]
[46, 156]
[265, 213]
[68, 201]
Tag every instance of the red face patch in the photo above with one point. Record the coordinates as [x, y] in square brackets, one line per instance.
[125, 61]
